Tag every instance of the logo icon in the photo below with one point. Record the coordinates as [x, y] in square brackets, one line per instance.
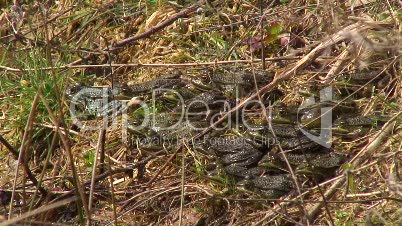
[324, 138]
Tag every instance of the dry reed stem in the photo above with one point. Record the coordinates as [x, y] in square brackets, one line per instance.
[21, 160]
[167, 65]
[375, 144]
[37, 211]
[66, 144]
[100, 148]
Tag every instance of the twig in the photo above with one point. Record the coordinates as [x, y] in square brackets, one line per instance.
[112, 191]
[46, 163]
[262, 34]
[66, 144]
[183, 169]
[380, 136]
[363, 194]
[376, 142]
[161, 169]
[111, 173]
[310, 201]
[149, 65]
[148, 32]
[337, 37]
[338, 66]
[62, 129]
[289, 167]
[392, 14]
[38, 211]
[100, 148]
[9, 147]
[21, 160]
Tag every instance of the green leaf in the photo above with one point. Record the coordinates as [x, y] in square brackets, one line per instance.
[275, 29]
[350, 177]
[89, 157]
[351, 183]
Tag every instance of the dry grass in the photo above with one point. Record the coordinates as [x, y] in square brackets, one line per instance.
[47, 46]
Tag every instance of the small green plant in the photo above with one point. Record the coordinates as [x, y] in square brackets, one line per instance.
[20, 88]
[89, 158]
[350, 178]
[343, 218]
